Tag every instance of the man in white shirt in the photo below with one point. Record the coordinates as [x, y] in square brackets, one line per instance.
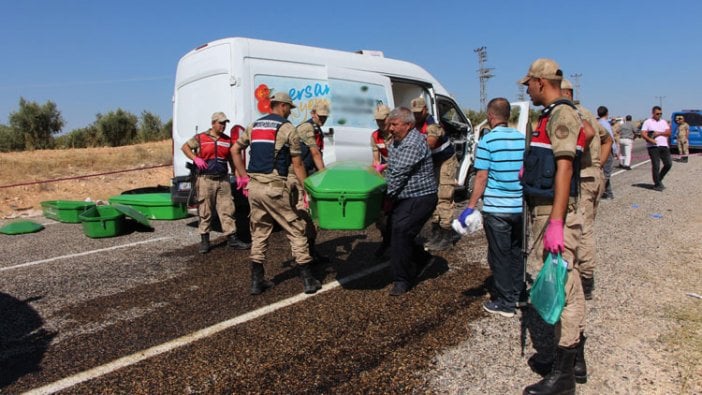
[656, 132]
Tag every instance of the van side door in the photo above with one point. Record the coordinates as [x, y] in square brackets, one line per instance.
[354, 97]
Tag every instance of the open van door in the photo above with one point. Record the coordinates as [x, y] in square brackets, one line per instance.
[466, 173]
[354, 98]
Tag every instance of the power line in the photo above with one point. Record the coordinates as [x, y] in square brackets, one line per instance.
[660, 101]
[576, 86]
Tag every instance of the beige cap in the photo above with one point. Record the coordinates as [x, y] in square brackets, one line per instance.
[321, 108]
[565, 84]
[418, 104]
[679, 118]
[219, 117]
[543, 68]
[381, 112]
[282, 97]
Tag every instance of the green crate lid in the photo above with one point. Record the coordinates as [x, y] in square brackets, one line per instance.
[144, 199]
[68, 204]
[132, 213]
[351, 178]
[21, 227]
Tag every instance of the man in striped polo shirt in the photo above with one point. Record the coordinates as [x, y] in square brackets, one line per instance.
[498, 160]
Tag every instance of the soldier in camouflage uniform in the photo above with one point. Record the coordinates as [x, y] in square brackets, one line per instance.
[311, 148]
[445, 164]
[683, 135]
[274, 146]
[591, 187]
[556, 144]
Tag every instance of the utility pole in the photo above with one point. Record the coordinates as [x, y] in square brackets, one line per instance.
[520, 92]
[660, 101]
[576, 85]
[484, 74]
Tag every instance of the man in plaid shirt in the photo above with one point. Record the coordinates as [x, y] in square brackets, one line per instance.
[410, 200]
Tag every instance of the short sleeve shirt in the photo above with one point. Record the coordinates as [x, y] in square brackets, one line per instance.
[683, 131]
[656, 126]
[286, 136]
[563, 128]
[306, 133]
[591, 156]
[194, 144]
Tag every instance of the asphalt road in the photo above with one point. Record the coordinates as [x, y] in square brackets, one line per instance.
[144, 313]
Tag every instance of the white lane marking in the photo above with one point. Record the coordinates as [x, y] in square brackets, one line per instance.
[633, 167]
[83, 253]
[192, 337]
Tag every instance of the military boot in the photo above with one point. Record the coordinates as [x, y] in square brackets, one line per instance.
[580, 368]
[588, 286]
[434, 236]
[311, 284]
[561, 379]
[258, 279]
[204, 243]
[236, 243]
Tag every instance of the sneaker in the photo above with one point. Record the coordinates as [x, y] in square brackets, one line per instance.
[494, 307]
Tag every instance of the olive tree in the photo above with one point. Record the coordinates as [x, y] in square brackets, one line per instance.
[117, 128]
[36, 123]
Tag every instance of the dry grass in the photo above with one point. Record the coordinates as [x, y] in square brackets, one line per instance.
[47, 165]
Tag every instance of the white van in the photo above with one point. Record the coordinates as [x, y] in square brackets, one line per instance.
[237, 75]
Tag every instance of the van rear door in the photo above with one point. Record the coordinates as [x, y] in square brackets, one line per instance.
[354, 97]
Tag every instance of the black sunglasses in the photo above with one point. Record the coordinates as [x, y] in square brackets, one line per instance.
[223, 123]
[658, 113]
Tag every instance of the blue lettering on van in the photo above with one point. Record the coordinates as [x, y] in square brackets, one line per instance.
[309, 91]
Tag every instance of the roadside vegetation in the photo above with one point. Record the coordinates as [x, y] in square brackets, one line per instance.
[38, 126]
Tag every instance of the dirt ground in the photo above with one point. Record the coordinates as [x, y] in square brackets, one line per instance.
[143, 165]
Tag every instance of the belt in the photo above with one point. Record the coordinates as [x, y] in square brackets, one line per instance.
[215, 177]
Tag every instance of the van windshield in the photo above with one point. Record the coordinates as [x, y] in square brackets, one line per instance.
[692, 118]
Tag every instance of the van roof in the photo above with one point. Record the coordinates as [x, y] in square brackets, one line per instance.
[369, 61]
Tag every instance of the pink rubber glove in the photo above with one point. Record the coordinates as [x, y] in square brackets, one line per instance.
[241, 184]
[305, 201]
[380, 167]
[553, 236]
[200, 163]
[521, 172]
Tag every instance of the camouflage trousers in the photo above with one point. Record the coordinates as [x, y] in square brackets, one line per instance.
[445, 174]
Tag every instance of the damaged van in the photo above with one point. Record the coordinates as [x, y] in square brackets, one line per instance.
[238, 75]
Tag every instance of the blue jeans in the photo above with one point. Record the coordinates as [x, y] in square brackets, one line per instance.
[607, 169]
[504, 237]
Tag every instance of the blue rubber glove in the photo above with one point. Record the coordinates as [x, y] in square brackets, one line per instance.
[462, 218]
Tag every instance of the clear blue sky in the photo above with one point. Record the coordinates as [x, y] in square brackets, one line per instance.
[93, 56]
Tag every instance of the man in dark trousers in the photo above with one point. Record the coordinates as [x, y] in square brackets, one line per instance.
[411, 197]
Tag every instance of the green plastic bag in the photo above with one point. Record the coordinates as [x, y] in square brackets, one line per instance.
[548, 292]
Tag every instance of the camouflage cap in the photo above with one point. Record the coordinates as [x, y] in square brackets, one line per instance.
[565, 84]
[219, 117]
[282, 97]
[321, 109]
[381, 112]
[418, 104]
[543, 68]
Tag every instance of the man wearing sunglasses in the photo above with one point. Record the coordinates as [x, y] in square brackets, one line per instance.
[656, 132]
[211, 153]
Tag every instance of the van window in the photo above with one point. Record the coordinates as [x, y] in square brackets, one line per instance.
[692, 118]
[304, 92]
[353, 103]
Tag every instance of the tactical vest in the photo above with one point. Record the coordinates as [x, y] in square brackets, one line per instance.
[262, 150]
[215, 152]
[305, 153]
[379, 142]
[445, 149]
[540, 163]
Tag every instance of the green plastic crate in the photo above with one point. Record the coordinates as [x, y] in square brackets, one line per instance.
[65, 210]
[153, 205]
[102, 221]
[346, 196]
